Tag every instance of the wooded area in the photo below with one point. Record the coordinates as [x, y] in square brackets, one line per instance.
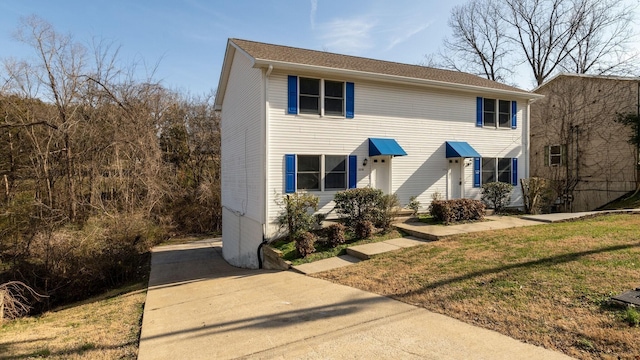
[96, 165]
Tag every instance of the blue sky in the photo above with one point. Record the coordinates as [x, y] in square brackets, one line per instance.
[187, 38]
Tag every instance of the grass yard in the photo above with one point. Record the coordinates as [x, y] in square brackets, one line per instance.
[546, 285]
[105, 327]
[323, 251]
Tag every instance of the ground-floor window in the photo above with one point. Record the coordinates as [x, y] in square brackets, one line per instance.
[321, 172]
[497, 169]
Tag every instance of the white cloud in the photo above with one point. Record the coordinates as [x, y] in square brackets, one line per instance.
[349, 36]
[314, 9]
[404, 35]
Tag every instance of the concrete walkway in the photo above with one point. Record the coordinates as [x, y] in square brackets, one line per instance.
[199, 307]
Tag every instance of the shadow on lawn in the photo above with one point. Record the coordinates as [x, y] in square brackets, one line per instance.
[553, 260]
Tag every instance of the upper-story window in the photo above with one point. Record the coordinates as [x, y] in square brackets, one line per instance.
[333, 98]
[320, 97]
[496, 113]
[311, 93]
[309, 96]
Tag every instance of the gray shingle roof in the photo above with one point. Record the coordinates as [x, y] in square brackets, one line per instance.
[269, 52]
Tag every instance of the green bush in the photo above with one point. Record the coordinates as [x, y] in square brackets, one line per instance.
[632, 316]
[450, 211]
[335, 234]
[357, 205]
[297, 213]
[364, 229]
[305, 244]
[496, 195]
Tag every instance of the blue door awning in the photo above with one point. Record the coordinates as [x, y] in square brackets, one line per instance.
[461, 149]
[385, 147]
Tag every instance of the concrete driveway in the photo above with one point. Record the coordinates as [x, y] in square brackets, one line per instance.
[199, 307]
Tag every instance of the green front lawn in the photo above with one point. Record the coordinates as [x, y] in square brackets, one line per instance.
[547, 285]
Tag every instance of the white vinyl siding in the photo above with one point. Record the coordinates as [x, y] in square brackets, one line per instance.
[242, 163]
[420, 119]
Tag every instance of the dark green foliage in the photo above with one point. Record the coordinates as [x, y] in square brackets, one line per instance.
[496, 195]
[356, 205]
[364, 229]
[366, 204]
[631, 316]
[451, 211]
[632, 121]
[305, 244]
[335, 234]
[297, 213]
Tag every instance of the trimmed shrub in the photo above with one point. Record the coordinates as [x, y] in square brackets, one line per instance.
[451, 211]
[496, 194]
[297, 213]
[364, 229]
[335, 234]
[305, 244]
[356, 205]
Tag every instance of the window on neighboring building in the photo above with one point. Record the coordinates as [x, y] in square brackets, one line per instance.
[496, 169]
[335, 172]
[554, 155]
[308, 172]
[309, 96]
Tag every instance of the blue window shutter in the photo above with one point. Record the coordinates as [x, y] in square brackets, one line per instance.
[476, 172]
[479, 112]
[353, 171]
[350, 110]
[290, 173]
[514, 172]
[293, 95]
[514, 114]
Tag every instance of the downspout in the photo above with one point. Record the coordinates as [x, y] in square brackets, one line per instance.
[527, 145]
[265, 220]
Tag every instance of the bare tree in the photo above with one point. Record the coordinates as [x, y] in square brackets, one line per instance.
[582, 36]
[479, 43]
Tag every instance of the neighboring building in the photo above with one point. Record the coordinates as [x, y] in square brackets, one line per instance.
[576, 142]
[296, 119]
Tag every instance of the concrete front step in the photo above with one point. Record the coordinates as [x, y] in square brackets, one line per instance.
[366, 251]
[325, 264]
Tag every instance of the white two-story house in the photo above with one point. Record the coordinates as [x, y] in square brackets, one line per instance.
[303, 120]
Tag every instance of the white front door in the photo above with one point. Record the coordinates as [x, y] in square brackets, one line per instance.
[455, 178]
[381, 173]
